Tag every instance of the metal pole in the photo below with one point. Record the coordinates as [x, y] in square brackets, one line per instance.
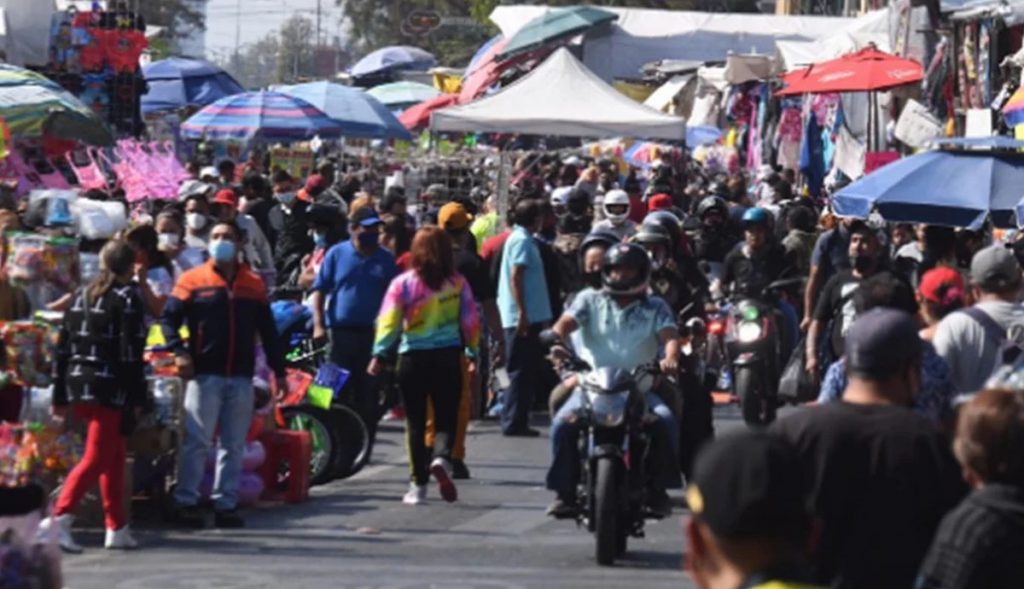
[318, 23]
[238, 31]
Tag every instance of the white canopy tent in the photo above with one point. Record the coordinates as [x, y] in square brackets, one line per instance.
[641, 36]
[872, 27]
[561, 97]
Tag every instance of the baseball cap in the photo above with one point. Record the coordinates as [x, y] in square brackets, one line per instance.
[365, 217]
[748, 484]
[315, 183]
[191, 188]
[941, 285]
[226, 196]
[453, 217]
[209, 171]
[659, 202]
[882, 341]
[995, 267]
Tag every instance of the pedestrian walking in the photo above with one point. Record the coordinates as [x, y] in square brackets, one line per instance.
[430, 312]
[225, 306]
[99, 371]
[525, 309]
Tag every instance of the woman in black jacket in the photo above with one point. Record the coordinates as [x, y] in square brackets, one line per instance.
[99, 369]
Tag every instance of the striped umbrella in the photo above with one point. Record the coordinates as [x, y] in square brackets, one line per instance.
[262, 116]
[33, 105]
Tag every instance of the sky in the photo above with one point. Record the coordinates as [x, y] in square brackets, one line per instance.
[259, 17]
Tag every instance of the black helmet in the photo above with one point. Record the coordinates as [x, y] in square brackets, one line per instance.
[710, 203]
[606, 238]
[626, 255]
[719, 188]
[667, 221]
[652, 233]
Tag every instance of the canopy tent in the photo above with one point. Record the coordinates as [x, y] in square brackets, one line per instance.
[561, 97]
[641, 36]
[25, 33]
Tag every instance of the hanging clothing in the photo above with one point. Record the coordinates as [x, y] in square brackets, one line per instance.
[812, 160]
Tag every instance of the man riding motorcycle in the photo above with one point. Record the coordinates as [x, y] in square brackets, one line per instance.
[616, 215]
[715, 238]
[692, 284]
[619, 326]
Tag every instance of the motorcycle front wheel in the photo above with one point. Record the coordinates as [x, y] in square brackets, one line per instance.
[322, 433]
[608, 532]
[753, 395]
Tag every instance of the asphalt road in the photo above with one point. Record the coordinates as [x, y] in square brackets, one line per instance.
[357, 534]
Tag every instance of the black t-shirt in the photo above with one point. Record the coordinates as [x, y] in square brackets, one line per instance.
[749, 275]
[836, 300]
[473, 268]
[880, 478]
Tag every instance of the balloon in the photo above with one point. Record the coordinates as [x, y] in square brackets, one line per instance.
[250, 487]
[254, 456]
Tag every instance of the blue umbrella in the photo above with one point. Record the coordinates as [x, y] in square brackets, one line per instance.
[697, 135]
[358, 113]
[952, 188]
[265, 116]
[398, 57]
[177, 82]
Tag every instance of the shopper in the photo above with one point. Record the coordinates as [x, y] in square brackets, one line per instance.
[430, 311]
[940, 293]
[98, 368]
[979, 544]
[224, 304]
[170, 228]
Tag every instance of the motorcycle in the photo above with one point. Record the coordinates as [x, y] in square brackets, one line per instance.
[749, 342]
[612, 445]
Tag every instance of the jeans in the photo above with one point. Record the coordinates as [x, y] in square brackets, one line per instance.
[212, 402]
[351, 349]
[104, 460]
[525, 367]
[662, 465]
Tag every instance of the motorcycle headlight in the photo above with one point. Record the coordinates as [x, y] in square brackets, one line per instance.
[748, 331]
[608, 409]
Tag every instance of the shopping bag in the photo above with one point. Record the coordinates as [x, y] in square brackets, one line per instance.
[796, 386]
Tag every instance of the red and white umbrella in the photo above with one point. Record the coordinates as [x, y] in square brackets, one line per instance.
[866, 70]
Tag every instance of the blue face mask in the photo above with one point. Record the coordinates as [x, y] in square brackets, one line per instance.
[319, 239]
[368, 239]
[222, 251]
[286, 198]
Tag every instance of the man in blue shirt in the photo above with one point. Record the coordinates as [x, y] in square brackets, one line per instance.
[353, 279]
[525, 308]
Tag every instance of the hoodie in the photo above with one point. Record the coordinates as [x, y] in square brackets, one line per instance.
[979, 544]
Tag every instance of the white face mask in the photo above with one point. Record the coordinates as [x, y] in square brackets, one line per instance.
[195, 221]
[168, 241]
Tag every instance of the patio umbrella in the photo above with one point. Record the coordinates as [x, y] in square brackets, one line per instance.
[33, 105]
[697, 135]
[266, 116]
[555, 25]
[485, 54]
[866, 70]
[398, 95]
[952, 188]
[418, 116]
[398, 57]
[178, 82]
[358, 113]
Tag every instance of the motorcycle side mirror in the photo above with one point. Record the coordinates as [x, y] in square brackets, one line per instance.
[549, 338]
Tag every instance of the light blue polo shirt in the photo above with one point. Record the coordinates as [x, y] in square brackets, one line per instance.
[618, 337]
[520, 250]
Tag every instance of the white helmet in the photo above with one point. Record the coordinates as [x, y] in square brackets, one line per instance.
[560, 196]
[616, 198]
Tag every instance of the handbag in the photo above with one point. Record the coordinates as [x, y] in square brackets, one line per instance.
[795, 385]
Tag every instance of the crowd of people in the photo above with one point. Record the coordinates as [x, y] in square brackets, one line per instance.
[888, 481]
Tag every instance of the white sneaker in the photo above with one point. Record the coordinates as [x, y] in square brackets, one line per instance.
[442, 471]
[120, 539]
[417, 495]
[63, 523]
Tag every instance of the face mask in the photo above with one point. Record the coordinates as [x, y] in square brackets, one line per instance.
[862, 263]
[592, 279]
[195, 221]
[368, 240]
[168, 241]
[286, 198]
[319, 239]
[222, 251]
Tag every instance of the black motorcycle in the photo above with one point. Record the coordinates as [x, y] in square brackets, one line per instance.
[612, 448]
[753, 341]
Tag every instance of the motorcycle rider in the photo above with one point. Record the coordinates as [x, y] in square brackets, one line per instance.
[616, 215]
[620, 326]
[715, 238]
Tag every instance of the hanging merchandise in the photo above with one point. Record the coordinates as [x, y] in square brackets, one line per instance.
[787, 137]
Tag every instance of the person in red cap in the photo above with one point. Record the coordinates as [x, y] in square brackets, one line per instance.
[940, 293]
[255, 247]
[318, 190]
[659, 202]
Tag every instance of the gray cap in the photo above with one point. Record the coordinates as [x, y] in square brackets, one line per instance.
[882, 341]
[193, 187]
[994, 268]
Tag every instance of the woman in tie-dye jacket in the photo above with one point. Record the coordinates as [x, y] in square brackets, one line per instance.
[429, 311]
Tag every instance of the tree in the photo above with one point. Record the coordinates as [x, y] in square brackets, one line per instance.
[256, 66]
[295, 57]
[177, 17]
